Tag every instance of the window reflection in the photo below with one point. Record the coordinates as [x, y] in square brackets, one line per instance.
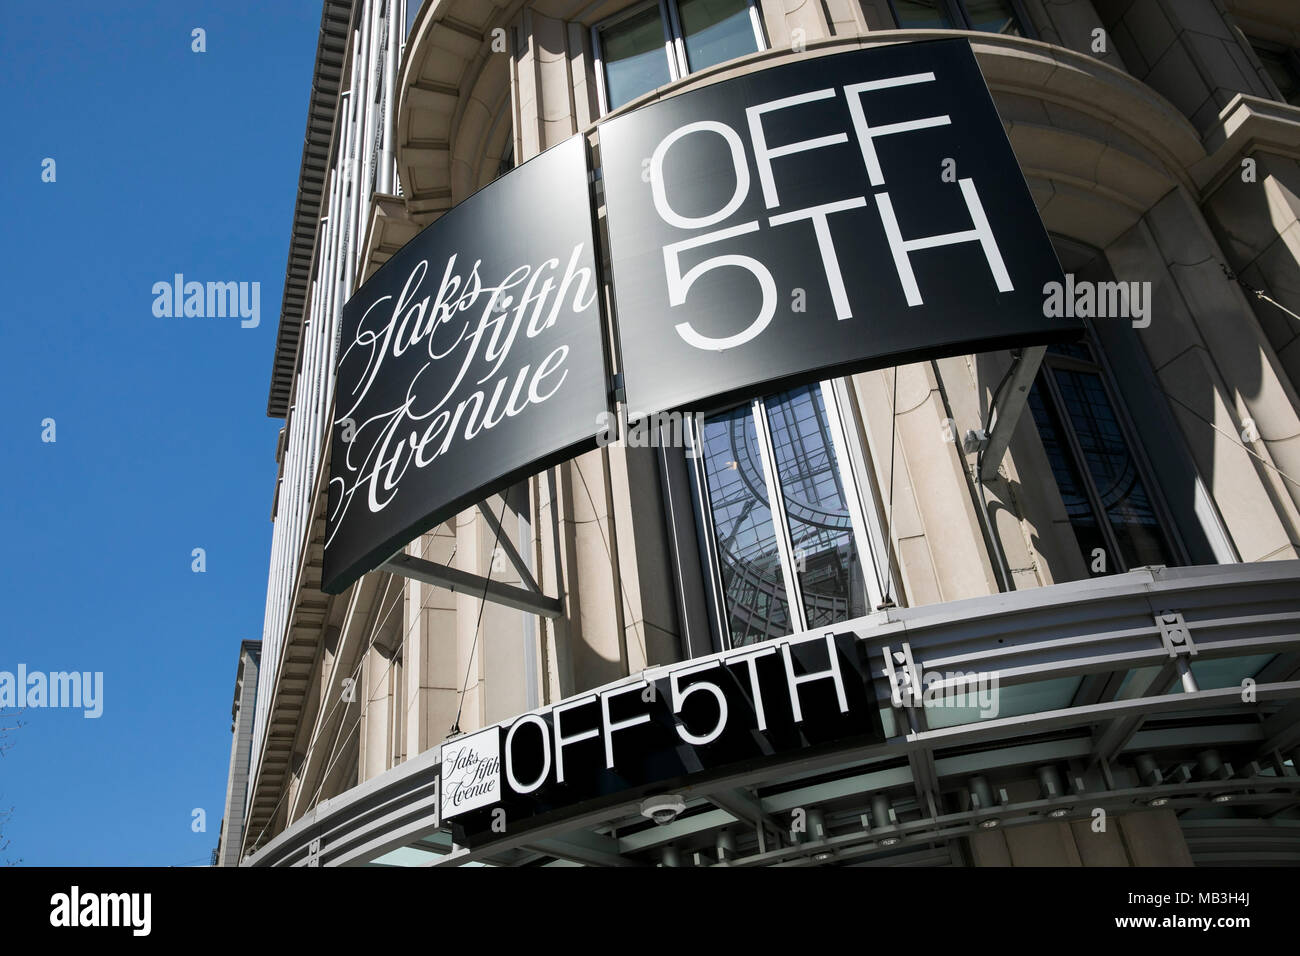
[749, 559]
[993, 16]
[1069, 480]
[1096, 471]
[923, 15]
[821, 531]
[990, 16]
[1112, 468]
[715, 31]
[634, 57]
[756, 567]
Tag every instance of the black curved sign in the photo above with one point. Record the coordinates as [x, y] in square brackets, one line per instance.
[472, 358]
[825, 216]
[815, 218]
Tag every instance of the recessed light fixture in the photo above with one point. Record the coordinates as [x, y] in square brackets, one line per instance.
[889, 841]
[1221, 798]
[1059, 812]
[1157, 801]
[989, 825]
[823, 856]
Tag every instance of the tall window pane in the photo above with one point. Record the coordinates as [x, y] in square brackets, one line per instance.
[821, 532]
[1281, 66]
[634, 57]
[1113, 470]
[1069, 480]
[1100, 480]
[750, 563]
[923, 15]
[993, 16]
[716, 31]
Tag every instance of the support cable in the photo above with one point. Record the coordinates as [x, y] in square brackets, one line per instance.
[887, 600]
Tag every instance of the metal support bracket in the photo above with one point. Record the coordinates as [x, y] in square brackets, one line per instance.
[1008, 412]
[507, 546]
[1174, 633]
[462, 582]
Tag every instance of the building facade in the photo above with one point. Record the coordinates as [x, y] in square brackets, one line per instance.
[1102, 535]
[231, 841]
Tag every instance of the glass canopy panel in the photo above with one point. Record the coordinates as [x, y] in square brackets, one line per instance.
[984, 700]
[1228, 672]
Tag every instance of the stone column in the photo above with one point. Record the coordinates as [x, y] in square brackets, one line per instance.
[1187, 50]
[937, 532]
[1218, 369]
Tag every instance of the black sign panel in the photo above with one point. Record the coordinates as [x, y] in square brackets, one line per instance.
[756, 706]
[829, 215]
[472, 358]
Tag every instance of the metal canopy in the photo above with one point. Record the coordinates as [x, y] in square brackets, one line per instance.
[910, 799]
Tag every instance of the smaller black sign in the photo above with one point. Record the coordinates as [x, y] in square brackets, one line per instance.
[758, 705]
[473, 357]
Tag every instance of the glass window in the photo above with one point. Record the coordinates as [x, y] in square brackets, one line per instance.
[634, 56]
[666, 39]
[753, 580]
[1283, 67]
[1101, 484]
[991, 16]
[785, 526]
[715, 31]
[1069, 480]
[923, 15]
[816, 506]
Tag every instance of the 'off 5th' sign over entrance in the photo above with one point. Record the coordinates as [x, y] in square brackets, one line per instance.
[819, 217]
[749, 707]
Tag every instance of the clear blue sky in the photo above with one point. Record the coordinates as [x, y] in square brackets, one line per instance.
[167, 161]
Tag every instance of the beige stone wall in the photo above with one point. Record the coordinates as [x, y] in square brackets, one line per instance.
[1111, 162]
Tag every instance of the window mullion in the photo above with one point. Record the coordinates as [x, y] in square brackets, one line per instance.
[780, 521]
[756, 20]
[716, 591]
[866, 533]
[674, 48]
[598, 62]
